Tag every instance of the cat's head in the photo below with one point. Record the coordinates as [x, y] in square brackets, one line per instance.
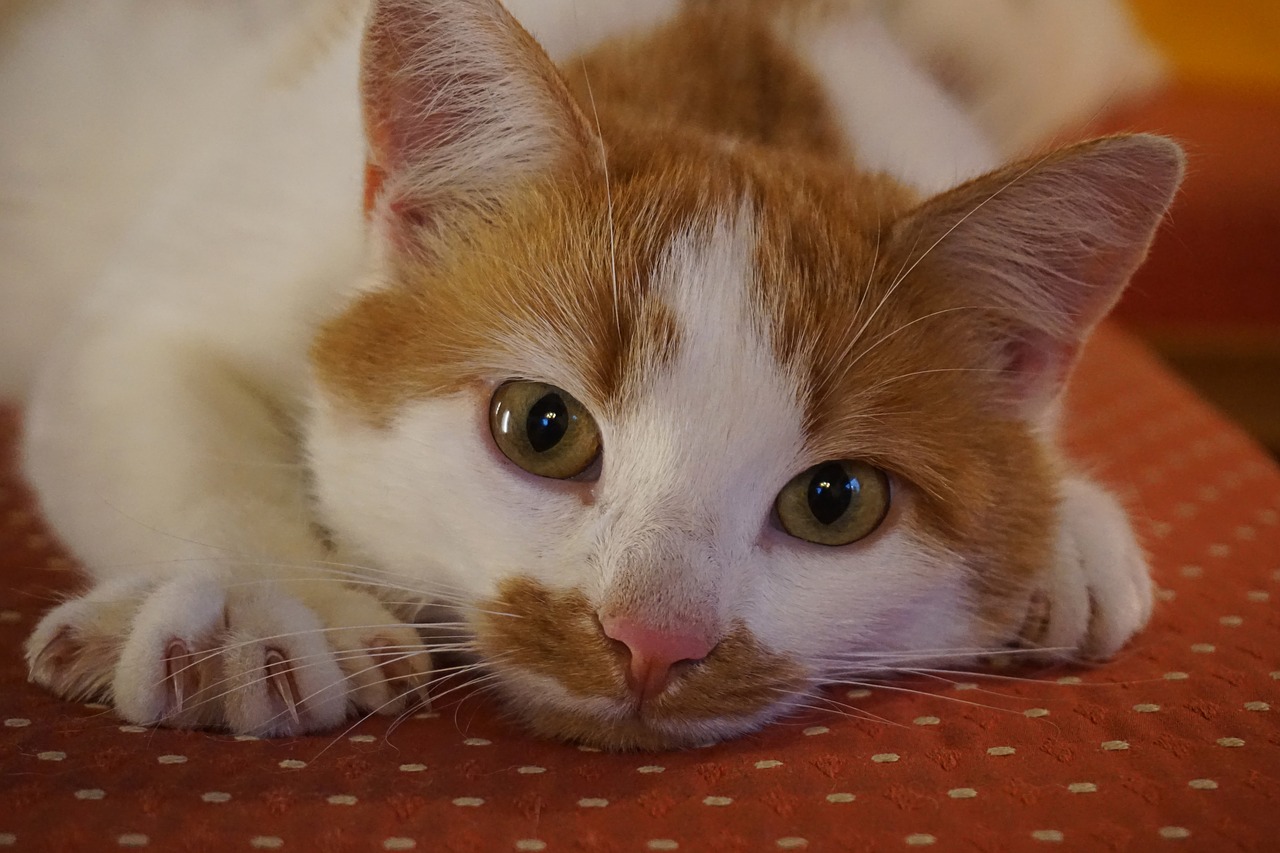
[687, 426]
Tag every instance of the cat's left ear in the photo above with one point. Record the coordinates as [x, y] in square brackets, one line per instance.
[461, 105]
[1044, 247]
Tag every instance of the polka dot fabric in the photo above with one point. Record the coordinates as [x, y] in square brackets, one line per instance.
[1172, 746]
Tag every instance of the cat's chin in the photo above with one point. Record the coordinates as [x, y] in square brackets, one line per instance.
[634, 730]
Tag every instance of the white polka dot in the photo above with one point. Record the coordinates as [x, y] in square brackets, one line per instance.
[962, 793]
[341, 800]
[427, 715]
[16, 723]
[468, 802]
[1231, 621]
[1070, 679]
[592, 803]
[412, 768]
[584, 748]
[171, 759]
[792, 843]
[858, 693]
[51, 755]
[840, 798]
[1115, 745]
[1258, 596]
[1082, 788]
[132, 839]
[1173, 832]
[1001, 750]
[531, 770]
[1275, 675]
[531, 845]
[1047, 835]
[768, 764]
[8, 839]
[362, 738]
[399, 843]
[1176, 676]
[651, 768]
[717, 801]
[662, 844]
[921, 839]
[1191, 571]
[90, 794]
[965, 685]
[1036, 712]
[1218, 549]
[1230, 741]
[266, 842]
[292, 764]
[1166, 594]
[477, 741]
[926, 721]
[885, 757]
[816, 730]
[1203, 648]
[1257, 706]
[1146, 708]
[215, 796]
[1203, 784]
[247, 738]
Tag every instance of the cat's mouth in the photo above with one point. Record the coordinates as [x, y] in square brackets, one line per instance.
[568, 680]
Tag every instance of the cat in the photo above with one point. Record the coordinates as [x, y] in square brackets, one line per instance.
[662, 386]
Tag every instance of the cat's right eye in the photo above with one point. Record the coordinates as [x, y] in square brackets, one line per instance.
[543, 429]
[835, 503]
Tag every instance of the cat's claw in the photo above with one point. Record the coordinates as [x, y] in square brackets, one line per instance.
[182, 675]
[280, 681]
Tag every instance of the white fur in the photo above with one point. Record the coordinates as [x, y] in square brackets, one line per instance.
[897, 118]
[218, 221]
[1026, 70]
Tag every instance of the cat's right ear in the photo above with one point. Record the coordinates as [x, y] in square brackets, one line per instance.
[460, 106]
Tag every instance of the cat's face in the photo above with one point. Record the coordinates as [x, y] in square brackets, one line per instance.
[686, 435]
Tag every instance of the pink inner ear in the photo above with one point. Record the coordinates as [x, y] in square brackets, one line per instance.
[1037, 365]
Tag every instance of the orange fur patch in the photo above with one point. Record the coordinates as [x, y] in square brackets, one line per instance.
[556, 634]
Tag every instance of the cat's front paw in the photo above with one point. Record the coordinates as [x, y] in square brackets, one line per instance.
[251, 656]
[1099, 591]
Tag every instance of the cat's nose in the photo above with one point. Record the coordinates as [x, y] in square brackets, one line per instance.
[653, 652]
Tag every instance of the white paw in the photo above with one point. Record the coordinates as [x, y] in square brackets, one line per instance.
[252, 656]
[1099, 593]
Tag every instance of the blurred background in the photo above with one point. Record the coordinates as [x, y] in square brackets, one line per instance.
[1208, 300]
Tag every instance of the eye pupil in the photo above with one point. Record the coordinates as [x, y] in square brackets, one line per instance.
[831, 492]
[547, 422]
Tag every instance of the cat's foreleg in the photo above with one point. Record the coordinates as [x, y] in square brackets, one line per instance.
[179, 485]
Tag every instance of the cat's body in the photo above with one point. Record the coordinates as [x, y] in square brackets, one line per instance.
[277, 430]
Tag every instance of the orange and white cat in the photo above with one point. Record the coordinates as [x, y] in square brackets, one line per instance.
[666, 385]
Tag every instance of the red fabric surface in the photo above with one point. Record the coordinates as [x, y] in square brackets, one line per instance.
[1173, 745]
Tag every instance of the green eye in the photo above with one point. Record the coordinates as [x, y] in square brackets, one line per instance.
[834, 503]
[543, 429]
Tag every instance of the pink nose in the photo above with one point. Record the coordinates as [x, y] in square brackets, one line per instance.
[653, 653]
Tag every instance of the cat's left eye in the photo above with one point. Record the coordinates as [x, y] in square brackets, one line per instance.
[543, 429]
[835, 503]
